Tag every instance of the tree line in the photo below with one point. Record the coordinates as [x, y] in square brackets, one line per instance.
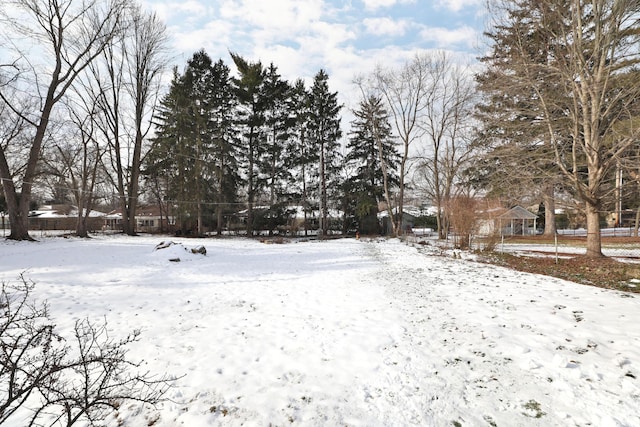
[226, 142]
[548, 115]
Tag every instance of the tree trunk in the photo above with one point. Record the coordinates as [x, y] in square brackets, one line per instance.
[250, 189]
[219, 220]
[81, 226]
[304, 200]
[134, 180]
[18, 205]
[18, 217]
[81, 222]
[397, 219]
[323, 193]
[549, 201]
[594, 243]
[221, 197]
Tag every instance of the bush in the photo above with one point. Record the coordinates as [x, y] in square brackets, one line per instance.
[462, 216]
[61, 383]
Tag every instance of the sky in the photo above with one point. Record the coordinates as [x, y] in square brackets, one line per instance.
[346, 38]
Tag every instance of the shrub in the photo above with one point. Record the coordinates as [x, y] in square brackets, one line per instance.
[61, 382]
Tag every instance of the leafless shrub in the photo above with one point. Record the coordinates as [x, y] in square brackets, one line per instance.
[462, 216]
[62, 382]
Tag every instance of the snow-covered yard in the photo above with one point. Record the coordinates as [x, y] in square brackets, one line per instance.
[346, 332]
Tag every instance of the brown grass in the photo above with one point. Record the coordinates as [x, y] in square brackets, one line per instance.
[602, 272]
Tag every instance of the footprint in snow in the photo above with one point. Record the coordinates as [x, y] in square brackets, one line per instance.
[577, 315]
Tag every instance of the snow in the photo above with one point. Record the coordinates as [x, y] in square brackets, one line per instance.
[345, 332]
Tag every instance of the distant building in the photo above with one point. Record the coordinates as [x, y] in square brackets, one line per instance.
[408, 220]
[507, 222]
[62, 217]
[149, 219]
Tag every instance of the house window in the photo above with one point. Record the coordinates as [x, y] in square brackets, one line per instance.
[146, 223]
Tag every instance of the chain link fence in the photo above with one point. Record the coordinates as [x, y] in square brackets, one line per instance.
[621, 242]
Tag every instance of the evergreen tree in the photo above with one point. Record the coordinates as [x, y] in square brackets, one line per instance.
[225, 155]
[169, 157]
[184, 144]
[249, 89]
[372, 151]
[275, 165]
[199, 86]
[325, 134]
[300, 151]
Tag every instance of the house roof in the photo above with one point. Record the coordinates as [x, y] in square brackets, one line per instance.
[60, 211]
[517, 212]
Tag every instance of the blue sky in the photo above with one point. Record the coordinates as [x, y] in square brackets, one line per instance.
[344, 37]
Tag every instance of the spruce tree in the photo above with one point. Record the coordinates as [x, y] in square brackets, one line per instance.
[184, 144]
[225, 150]
[275, 165]
[372, 151]
[325, 134]
[249, 88]
[515, 137]
[169, 158]
[300, 152]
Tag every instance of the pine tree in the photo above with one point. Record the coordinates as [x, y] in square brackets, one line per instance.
[274, 164]
[184, 142]
[169, 160]
[325, 134]
[199, 85]
[372, 150]
[300, 151]
[249, 89]
[225, 149]
[514, 137]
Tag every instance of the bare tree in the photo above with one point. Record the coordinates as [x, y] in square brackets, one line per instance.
[27, 357]
[404, 91]
[146, 60]
[593, 56]
[127, 79]
[447, 125]
[76, 158]
[14, 143]
[66, 36]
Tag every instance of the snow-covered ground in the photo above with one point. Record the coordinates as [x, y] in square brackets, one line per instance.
[346, 332]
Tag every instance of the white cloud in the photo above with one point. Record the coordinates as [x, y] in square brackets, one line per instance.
[445, 37]
[377, 4]
[281, 17]
[172, 9]
[215, 36]
[385, 26]
[458, 5]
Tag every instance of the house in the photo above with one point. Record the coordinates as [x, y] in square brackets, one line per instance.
[408, 220]
[62, 217]
[149, 219]
[511, 222]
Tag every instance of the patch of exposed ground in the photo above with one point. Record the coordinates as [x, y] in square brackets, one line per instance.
[605, 272]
